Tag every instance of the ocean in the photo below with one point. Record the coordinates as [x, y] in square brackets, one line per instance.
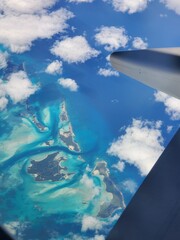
[47, 209]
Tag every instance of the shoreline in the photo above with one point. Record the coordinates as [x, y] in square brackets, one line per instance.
[66, 132]
[117, 201]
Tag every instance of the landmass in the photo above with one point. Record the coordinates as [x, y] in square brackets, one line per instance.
[31, 116]
[118, 200]
[49, 168]
[39, 125]
[66, 133]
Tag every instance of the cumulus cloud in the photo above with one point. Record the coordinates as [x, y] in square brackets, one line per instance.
[90, 223]
[74, 50]
[81, 237]
[73, 236]
[3, 103]
[172, 4]
[172, 105]
[114, 218]
[108, 58]
[141, 145]
[69, 84]
[111, 37]
[81, 1]
[54, 67]
[23, 6]
[12, 227]
[19, 87]
[130, 186]
[107, 72]
[99, 237]
[130, 6]
[16, 228]
[19, 31]
[2, 89]
[119, 166]
[163, 15]
[88, 182]
[138, 43]
[169, 129]
[3, 59]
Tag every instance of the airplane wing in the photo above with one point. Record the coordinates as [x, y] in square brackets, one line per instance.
[154, 211]
[158, 68]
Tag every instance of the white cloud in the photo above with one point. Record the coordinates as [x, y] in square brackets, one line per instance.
[2, 89]
[90, 223]
[119, 166]
[163, 15]
[172, 105]
[3, 59]
[69, 84]
[81, 237]
[172, 4]
[54, 67]
[112, 37]
[3, 103]
[130, 186]
[74, 50]
[73, 236]
[81, 1]
[107, 72]
[18, 31]
[23, 6]
[19, 87]
[108, 58]
[141, 145]
[99, 237]
[88, 182]
[130, 6]
[12, 227]
[114, 218]
[16, 228]
[169, 129]
[138, 43]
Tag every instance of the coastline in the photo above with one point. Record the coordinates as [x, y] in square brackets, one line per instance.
[66, 131]
[117, 201]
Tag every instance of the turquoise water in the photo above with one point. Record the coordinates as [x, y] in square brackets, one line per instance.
[30, 131]
[27, 199]
[48, 191]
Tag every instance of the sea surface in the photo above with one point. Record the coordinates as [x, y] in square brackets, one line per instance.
[47, 189]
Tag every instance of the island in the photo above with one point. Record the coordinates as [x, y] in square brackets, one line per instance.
[30, 115]
[66, 132]
[48, 169]
[117, 201]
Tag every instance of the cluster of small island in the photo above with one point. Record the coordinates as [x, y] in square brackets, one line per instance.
[50, 167]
